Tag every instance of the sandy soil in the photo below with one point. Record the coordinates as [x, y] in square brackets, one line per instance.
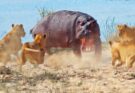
[64, 73]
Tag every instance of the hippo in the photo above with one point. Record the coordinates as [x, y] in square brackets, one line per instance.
[66, 29]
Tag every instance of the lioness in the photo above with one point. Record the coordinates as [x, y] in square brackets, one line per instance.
[124, 53]
[33, 51]
[126, 33]
[11, 43]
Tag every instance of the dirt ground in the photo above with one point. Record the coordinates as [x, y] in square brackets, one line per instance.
[63, 72]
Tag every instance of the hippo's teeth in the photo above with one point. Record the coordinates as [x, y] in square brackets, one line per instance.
[87, 49]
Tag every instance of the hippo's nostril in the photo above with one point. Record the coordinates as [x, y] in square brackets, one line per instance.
[86, 32]
[88, 27]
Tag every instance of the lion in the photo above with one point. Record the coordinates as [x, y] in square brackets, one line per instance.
[11, 43]
[126, 33]
[124, 53]
[33, 51]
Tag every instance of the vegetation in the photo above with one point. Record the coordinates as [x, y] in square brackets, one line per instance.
[110, 32]
[44, 12]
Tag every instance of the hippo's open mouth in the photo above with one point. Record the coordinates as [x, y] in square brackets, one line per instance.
[87, 44]
[88, 49]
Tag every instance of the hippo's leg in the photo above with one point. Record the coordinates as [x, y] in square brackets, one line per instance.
[77, 49]
[48, 51]
[98, 48]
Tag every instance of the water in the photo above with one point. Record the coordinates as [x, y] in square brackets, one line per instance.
[26, 12]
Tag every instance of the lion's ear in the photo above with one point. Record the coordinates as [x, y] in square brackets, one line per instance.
[13, 25]
[125, 26]
[21, 25]
[121, 27]
[118, 27]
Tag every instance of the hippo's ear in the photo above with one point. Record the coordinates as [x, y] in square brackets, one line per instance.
[31, 31]
[13, 25]
[44, 35]
[34, 35]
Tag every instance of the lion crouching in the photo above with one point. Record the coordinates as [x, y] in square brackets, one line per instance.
[126, 33]
[33, 52]
[124, 53]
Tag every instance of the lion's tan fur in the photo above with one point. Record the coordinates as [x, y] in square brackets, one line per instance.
[124, 53]
[11, 43]
[33, 51]
[126, 33]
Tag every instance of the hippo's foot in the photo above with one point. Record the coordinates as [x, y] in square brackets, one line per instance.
[77, 53]
[98, 49]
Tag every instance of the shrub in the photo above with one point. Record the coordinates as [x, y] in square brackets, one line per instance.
[44, 12]
[110, 32]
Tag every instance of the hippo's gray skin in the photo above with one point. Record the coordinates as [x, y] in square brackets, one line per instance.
[65, 29]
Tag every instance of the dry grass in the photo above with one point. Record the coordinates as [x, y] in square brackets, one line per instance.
[63, 72]
[110, 32]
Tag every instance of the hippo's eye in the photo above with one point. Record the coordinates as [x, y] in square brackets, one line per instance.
[44, 36]
[78, 22]
[83, 23]
[88, 20]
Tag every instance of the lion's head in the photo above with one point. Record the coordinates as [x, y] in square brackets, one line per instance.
[18, 29]
[126, 33]
[40, 40]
